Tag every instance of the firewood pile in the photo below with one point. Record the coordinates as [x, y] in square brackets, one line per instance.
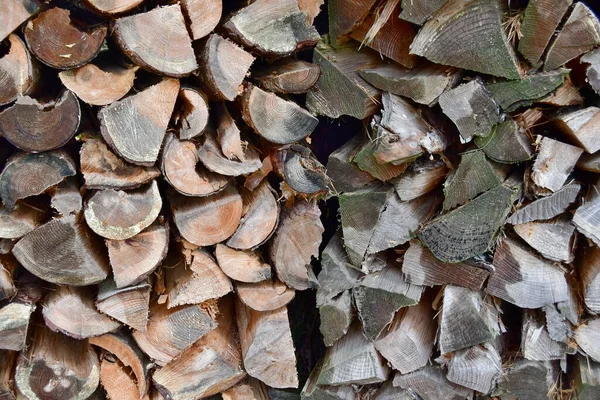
[163, 204]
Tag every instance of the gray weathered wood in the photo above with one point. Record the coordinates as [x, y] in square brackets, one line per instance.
[587, 336]
[554, 163]
[588, 267]
[476, 368]
[587, 216]
[336, 315]
[430, 383]
[418, 11]
[553, 239]
[581, 126]
[586, 377]
[536, 343]
[526, 379]
[423, 176]
[507, 143]
[345, 175]
[314, 391]
[547, 207]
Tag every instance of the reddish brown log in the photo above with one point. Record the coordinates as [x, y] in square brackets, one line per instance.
[203, 16]
[13, 13]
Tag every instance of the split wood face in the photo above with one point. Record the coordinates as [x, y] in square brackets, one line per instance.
[18, 71]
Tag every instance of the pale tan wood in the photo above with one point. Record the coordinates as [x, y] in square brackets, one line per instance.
[129, 305]
[553, 163]
[267, 295]
[242, 265]
[117, 383]
[553, 239]
[14, 324]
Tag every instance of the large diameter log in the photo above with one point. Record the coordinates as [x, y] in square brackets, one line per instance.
[14, 13]
[191, 117]
[71, 311]
[71, 45]
[223, 67]
[295, 243]
[275, 119]
[135, 126]
[99, 84]
[27, 174]
[205, 221]
[171, 331]
[487, 49]
[340, 90]
[158, 41]
[36, 126]
[213, 364]
[132, 260]
[57, 367]
[112, 7]
[272, 28]
[202, 16]
[260, 217]
[63, 251]
[521, 278]
[18, 71]
[120, 215]
[129, 305]
[267, 347]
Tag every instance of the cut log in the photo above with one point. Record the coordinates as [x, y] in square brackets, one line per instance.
[345, 175]
[313, 391]
[579, 34]
[506, 144]
[18, 71]
[116, 381]
[135, 126]
[102, 169]
[57, 366]
[289, 75]
[580, 126]
[485, 49]
[365, 160]
[526, 379]
[205, 221]
[540, 21]
[197, 280]
[14, 13]
[587, 215]
[352, 360]
[212, 365]
[379, 295]
[15, 318]
[430, 383]
[223, 67]
[202, 16]
[420, 267]
[123, 347]
[27, 174]
[260, 216]
[523, 279]
[267, 346]
[554, 163]
[408, 343]
[553, 239]
[171, 331]
[70, 310]
[536, 343]
[228, 135]
[32, 125]
[71, 45]
[191, 116]
[423, 85]
[157, 41]
[344, 16]
[388, 392]
[476, 368]
[393, 37]
[336, 316]
[586, 378]
[464, 307]
[340, 90]
[120, 215]
[267, 295]
[272, 28]
[547, 207]
[211, 155]
[588, 267]
[419, 11]
[66, 198]
[511, 95]
[132, 260]
[303, 173]
[474, 175]
[587, 335]
[63, 251]
[129, 305]
[242, 265]
[337, 273]
[275, 119]
[19, 221]
[471, 229]
[248, 389]
[99, 84]
[472, 109]
[181, 169]
[295, 242]
[7, 383]
[113, 7]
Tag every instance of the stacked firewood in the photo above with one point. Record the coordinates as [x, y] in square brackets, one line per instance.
[158, 196]
[467, 262]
